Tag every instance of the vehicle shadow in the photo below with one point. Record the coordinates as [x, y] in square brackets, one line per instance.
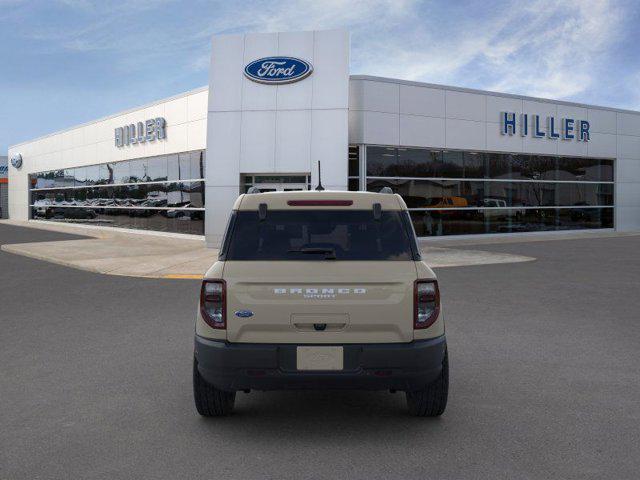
[335, 415]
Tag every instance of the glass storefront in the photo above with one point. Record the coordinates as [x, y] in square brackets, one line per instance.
[164, 193]
[448, 192]
[458, 192]
[275, 182]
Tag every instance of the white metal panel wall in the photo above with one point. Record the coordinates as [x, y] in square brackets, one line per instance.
[628, 171]
[398, 113]
[258, 128]
[185, 115]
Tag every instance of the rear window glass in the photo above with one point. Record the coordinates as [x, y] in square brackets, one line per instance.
[319, 235]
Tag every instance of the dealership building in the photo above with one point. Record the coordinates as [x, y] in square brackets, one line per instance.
[4, 187]
[465, 161]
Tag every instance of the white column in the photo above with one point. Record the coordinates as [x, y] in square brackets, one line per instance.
[265, 128]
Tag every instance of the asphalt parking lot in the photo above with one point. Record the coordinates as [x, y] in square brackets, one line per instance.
[545, 380]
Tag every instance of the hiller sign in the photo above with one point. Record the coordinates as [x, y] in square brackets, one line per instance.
[147, 131]
[525, 124]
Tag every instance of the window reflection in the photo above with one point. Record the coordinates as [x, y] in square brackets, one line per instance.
[498, 165]
[58, 178]
[132, 193]
[105, 174]
[173, 167]
[120, 172]
[435, 223]
[196, 194]
[138, 171]
[156, 195]
[92, 175]
[425, 163]
[80, 177]
[553, 193]
[189, 166]
[191, 222]
[474, 192]
[475, 165]
[452, 165]
[478, 193]
[157, 169]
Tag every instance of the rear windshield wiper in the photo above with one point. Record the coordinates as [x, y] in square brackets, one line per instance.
[330, 253]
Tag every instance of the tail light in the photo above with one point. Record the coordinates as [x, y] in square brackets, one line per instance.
[426, 303]
[213, 303]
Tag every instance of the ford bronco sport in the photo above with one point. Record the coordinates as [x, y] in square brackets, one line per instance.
[320, 290]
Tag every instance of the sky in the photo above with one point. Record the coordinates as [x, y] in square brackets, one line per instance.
[66, 62]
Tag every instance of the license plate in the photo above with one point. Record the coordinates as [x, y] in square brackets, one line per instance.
[320, 358]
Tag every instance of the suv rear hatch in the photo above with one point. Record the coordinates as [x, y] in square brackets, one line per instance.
[329, 275]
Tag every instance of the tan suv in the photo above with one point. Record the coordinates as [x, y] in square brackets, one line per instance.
[320, 290]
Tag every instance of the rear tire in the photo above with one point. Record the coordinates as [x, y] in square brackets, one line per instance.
[432, 401]
[210, 401]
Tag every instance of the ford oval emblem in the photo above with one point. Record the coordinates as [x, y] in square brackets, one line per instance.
[16, 160]
[244, 313]
[278, 70]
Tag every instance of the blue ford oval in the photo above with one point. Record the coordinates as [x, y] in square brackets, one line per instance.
[278, 70]
[244, 313]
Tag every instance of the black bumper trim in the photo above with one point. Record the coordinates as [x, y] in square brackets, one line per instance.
[373, 366]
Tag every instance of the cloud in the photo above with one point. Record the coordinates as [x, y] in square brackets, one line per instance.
[363, 18]
[561, 46]
[546, 49]
[540, 48]
[73, 60]
[634, 100]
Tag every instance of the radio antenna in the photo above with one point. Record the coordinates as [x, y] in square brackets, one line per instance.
[319, 188]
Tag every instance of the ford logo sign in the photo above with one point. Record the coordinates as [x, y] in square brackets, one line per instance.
[244, 313]
[278, 70]
[16, 160]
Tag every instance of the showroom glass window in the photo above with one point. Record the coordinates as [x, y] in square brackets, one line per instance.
[164, 193]
[452, 192]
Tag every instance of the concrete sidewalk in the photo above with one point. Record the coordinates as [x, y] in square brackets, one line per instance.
[159, 255]
[119, 251]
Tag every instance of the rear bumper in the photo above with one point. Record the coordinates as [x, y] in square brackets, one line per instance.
[380, 366]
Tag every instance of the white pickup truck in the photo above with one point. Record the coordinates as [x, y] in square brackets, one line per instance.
[320, 290]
